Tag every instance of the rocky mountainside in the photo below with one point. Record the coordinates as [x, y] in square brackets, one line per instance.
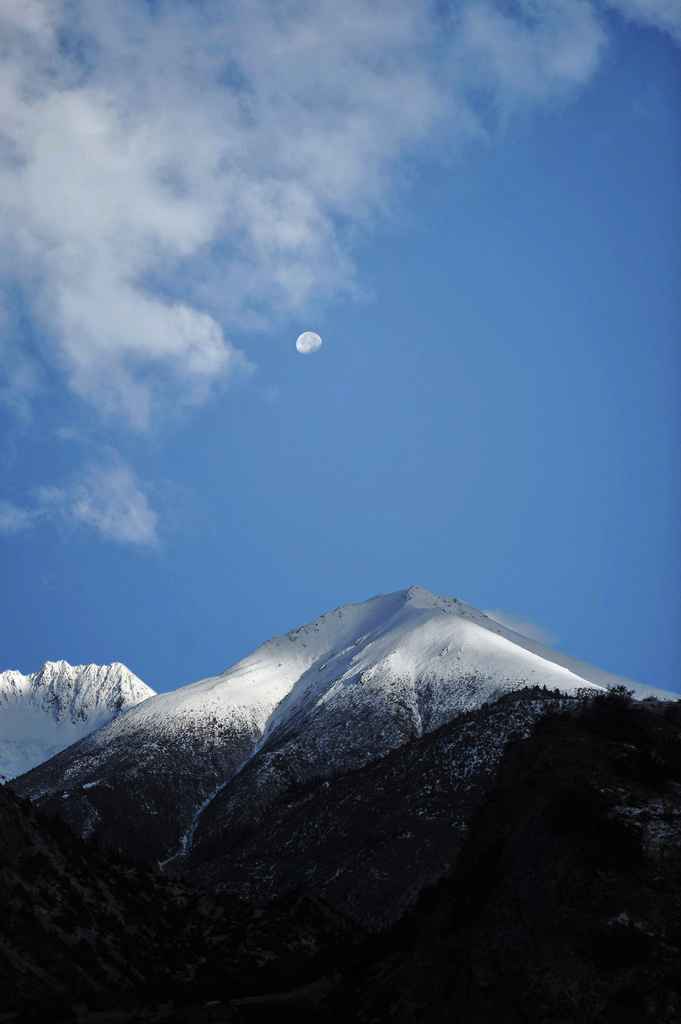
[46, 711]
[564, 902]
[369, 839]
[78, 928]
[324, 699]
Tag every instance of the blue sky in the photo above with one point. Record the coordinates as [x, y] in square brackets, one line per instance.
[476, 207]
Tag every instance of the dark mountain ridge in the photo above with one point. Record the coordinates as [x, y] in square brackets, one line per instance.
[77, 927]
[366, 841]
[560, 904]
[564, 902]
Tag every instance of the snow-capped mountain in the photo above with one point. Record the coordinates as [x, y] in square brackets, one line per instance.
[326, 698]
[46, 711]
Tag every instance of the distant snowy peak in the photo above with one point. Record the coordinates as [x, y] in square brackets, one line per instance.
[75, 691]
[48, 710]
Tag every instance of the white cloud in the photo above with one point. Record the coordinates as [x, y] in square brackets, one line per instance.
[523, 626]
[109, 500]
[661, 14]
[14, 519]
[170, 171]
[528, 50]
[106, 498]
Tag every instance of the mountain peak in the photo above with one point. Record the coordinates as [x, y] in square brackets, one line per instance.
[328, 697]
[48, 710]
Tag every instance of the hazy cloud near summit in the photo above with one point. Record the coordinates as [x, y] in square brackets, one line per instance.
[523, 626]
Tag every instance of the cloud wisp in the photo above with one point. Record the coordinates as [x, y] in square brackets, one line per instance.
[14, 519]
[661, 14]
[105, 498]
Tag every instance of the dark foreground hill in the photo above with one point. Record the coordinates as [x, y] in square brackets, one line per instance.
[80, 928]
[562, 905]
[565, 902]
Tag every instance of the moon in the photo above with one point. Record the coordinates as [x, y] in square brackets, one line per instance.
[308, 342]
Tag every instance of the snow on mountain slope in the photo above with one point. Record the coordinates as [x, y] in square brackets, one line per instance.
[46, 711]
[333, 695]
